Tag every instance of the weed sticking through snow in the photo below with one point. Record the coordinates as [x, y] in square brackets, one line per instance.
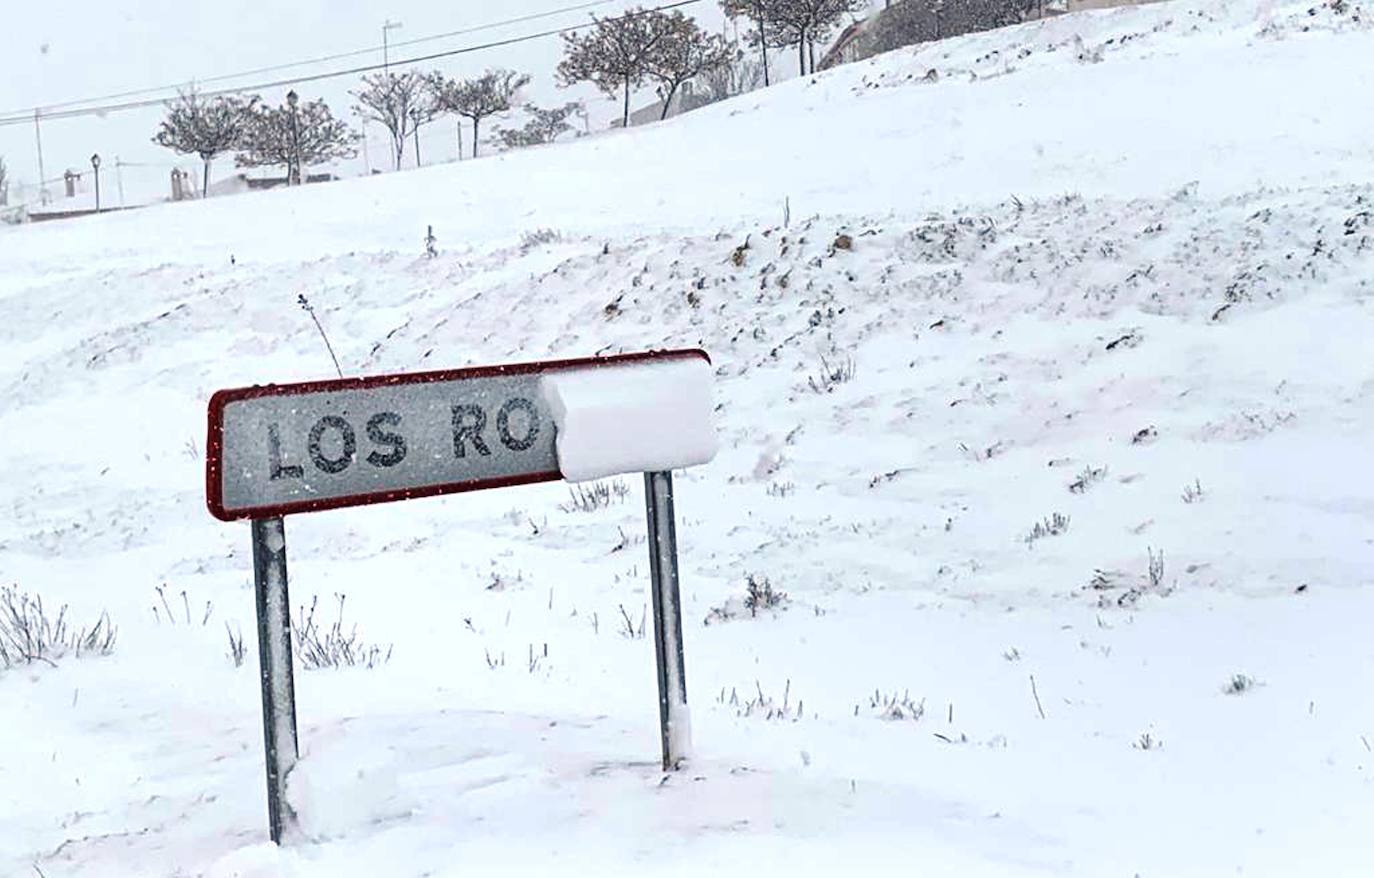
[30, 633]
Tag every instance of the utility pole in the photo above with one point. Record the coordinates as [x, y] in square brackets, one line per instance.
[42, 175]
[415, 115]
[119, 179]
[95, 165]
[367, 162]
[763, 40]
[387, 27]
[293, 174]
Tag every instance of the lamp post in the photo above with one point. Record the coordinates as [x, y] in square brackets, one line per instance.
[415, 117]
[42, 175]
[293, 173]
[95, 165]
[387, 27]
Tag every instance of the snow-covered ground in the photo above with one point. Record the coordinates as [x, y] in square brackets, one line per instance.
[1132, 292]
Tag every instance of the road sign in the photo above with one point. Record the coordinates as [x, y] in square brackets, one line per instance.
[280, 449]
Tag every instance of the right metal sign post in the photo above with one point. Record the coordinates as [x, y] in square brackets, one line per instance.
[674, 720]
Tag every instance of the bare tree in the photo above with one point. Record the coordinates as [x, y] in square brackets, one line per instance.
[491, 93]
[684, 52]
[615, 55]
[277, 136]
[398, 101]
[195, 125]
[736, 77]
[803, 23]
[543, 126]
[762, 13]
[4, 183]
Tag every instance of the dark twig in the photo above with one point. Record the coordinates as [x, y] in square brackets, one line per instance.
[309, 309]
[1038, 706]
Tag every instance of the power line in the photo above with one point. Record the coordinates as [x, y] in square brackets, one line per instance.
[549, 13]
[28, 117]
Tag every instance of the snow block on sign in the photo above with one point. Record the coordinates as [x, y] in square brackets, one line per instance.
[633, 417]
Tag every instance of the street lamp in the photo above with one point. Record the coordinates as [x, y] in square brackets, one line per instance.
[95, 165]
[387, 27]
[293, 173]
[416, 116]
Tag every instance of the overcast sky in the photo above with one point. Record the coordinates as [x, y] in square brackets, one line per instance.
[59, 51]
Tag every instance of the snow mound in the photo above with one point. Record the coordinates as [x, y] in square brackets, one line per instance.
[1123, 34]
[630, 418]
[1045, 398]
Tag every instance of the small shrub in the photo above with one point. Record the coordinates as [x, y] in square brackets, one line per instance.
[626, 540]
[333, 647]
[538, 238]
[781, 490]
[1052, 526]
[1135, 587]
[627, 625]
[763, 706]
[1193, 493]
[237, 651]
[894, 707]
[759, 594]
[1086, 479]
[1155, 571]
[28, 633]
[1145, 436]
[171, 617]
[737, 256]
[832, 374]
[1147, 741]
[536, 658]
[597, 495]
[1239, 684]
[501, 581]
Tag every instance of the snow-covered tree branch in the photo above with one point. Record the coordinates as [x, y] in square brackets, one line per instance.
[397, 101]
[490, 94]
[545, 125]
[684, 52]
[615, 55]
[277, 136]
[197, 126]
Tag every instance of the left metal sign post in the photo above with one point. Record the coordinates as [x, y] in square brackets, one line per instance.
[274, 664]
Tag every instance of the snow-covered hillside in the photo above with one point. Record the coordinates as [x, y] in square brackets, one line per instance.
[1108, 275]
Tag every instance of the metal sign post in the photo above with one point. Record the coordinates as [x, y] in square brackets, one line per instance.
[274, 664]
[674, 723]
[275, 450]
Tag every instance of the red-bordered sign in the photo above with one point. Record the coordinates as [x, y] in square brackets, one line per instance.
[275, 430]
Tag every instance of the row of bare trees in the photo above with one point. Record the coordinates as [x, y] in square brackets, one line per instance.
[299, 134]
[403, 102]
[293, 135]
[669, 49]
[786, 24]
[617, 55]
[802, 24]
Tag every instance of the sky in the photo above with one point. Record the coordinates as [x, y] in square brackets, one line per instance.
[59, 51]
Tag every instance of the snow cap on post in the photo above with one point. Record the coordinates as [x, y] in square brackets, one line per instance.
[635, 417]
